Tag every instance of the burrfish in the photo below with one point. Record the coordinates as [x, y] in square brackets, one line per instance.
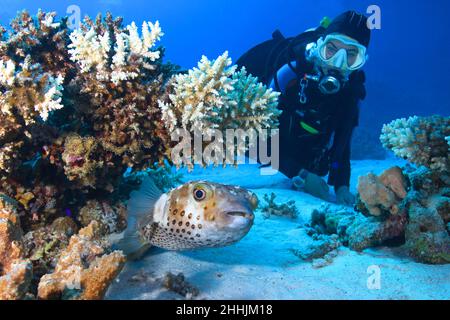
[197, 214]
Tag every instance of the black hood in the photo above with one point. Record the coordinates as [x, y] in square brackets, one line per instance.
[351, 24]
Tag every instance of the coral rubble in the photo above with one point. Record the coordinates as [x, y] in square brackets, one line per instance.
[178, 284]
[284, 210]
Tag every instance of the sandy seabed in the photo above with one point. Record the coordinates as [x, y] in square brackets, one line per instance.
[262, 266]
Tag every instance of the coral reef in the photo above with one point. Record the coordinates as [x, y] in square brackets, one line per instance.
[83, 114]
[111, 219]
[355, 230]
[420, 140]
[409, 208]
[283, 210]
[84, 270]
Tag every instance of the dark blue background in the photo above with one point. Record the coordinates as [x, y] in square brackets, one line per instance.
[408, 71]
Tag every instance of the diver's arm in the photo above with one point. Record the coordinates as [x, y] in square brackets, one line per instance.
[340, 168]
[284, 78]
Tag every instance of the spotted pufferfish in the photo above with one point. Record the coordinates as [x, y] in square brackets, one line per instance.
[197, 214]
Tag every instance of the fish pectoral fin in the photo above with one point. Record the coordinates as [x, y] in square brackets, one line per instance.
[142, 201]
[131, 244]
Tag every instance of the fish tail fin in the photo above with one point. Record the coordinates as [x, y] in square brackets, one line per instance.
[140, 212]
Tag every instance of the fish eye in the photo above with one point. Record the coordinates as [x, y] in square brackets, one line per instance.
[199, 194]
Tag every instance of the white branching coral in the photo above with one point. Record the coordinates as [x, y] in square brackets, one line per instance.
[7, 71]
[90, 50]
[52, 97]
[421, 140]
[215, 96]
[112, 60]
[199, 94]
[257, 106]
[142, 46]
[29, 90]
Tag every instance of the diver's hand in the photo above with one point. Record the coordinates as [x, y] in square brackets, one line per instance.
[312, 184]
[344, 196]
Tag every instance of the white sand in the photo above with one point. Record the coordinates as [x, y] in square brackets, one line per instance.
[261, 265]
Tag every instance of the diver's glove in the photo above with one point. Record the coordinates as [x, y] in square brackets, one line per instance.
[344, 196]
[313, 184]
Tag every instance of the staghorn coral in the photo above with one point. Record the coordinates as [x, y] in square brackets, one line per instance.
[41, 37]
[122, 94]
[215, 96]
[84, 270]
[420, 140]
[30, 91]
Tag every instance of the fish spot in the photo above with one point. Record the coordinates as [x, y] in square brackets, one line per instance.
[190, 215]
[174, 221]
[183, 230]
[180, 223]
[188, 232]
[187, 224]
[193, 226]
[168, 223]
[177, 230]
[200, 226]
[182, 213]
[198, 217]
[197, 235]
[175, 211]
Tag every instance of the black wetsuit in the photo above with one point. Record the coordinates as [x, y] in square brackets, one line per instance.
[316, 136]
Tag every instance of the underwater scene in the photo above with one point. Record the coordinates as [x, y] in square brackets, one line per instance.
[224, 150]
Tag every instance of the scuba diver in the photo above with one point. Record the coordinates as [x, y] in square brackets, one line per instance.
[321, 82]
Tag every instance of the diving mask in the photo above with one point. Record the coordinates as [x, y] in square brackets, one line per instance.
[341, 52]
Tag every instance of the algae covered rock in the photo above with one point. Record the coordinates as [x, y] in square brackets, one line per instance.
[15, 271]
[383, 194]
[84, 270]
